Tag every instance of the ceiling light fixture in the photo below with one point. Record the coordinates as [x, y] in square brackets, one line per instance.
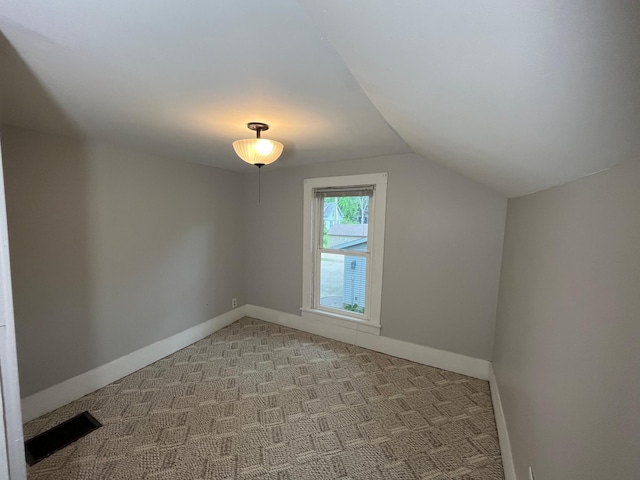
[258, 151]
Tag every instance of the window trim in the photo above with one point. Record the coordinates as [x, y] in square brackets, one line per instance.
[377, 213]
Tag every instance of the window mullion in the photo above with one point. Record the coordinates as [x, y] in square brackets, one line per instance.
[349, 253]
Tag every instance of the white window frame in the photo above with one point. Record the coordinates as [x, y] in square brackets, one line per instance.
[370, 321]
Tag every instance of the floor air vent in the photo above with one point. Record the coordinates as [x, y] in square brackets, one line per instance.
[43, 445]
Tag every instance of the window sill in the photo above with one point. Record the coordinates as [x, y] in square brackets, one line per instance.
[341, 321]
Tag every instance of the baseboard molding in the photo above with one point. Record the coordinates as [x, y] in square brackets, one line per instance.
[473, 367]
[76, 387]
[503, 433]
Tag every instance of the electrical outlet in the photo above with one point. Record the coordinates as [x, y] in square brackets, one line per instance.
[234, 302]
[531, 473]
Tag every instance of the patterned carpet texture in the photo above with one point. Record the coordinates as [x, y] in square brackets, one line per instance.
[257, 400]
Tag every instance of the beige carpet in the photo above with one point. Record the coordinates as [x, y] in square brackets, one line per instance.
[260, 401]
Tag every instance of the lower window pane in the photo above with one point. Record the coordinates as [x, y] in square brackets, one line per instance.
[343, 282]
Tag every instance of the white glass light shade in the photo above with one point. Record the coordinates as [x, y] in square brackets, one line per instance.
[258, 150]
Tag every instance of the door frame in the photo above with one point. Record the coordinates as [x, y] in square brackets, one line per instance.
[12, 458]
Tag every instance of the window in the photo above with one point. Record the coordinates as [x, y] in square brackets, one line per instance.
[343, 251]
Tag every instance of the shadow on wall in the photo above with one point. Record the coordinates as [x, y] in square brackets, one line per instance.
[47, 212]
[24, 102]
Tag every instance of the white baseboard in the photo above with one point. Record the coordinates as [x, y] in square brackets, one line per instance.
[76, 387]
[503, 433]
[473, 367]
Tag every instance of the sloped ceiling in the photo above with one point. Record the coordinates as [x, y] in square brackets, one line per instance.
[519, 96]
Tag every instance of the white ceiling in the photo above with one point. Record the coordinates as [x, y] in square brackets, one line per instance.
[519, 96]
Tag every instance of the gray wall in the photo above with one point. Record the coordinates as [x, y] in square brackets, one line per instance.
[112, 250]
[567, 347]
[443, 247]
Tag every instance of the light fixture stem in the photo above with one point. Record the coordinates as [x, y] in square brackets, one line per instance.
[258, 132]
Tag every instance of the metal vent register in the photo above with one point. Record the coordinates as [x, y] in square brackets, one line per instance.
[58, 437]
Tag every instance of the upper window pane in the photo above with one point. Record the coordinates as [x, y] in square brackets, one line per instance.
[346, 222]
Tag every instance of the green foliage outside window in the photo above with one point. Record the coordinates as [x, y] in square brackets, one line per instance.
[353, 308]
[355, 210]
